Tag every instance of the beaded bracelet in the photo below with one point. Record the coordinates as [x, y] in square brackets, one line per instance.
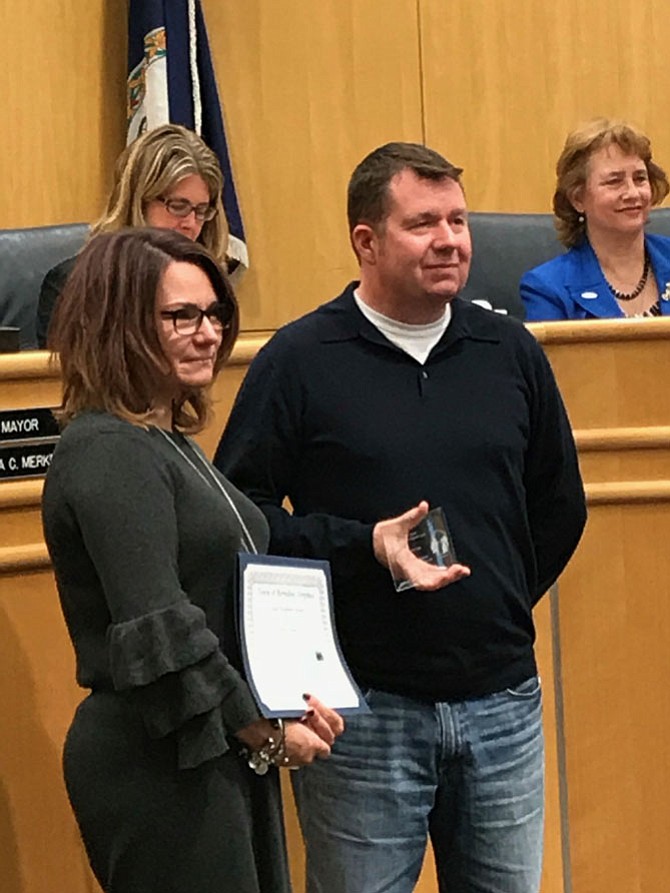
[272, 753]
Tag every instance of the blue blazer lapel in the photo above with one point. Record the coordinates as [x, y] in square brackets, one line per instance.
[593, 294]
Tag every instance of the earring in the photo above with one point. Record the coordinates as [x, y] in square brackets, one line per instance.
[580, 218]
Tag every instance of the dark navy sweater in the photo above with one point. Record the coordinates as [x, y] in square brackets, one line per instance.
[351, 430]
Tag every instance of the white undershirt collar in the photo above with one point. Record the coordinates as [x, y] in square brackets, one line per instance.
[415, 340]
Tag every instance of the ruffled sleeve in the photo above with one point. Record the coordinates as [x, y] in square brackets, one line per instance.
[171, 665]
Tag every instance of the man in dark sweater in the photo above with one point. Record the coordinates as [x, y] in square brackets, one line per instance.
[394, 395]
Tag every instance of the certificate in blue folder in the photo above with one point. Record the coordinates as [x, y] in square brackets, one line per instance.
[287, 632]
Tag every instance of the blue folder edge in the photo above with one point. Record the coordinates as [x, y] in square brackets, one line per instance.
[244, 560]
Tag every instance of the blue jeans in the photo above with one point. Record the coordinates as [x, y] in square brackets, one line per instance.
[470, 774]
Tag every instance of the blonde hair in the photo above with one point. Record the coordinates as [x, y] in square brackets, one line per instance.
[150, 167]
[571, 170]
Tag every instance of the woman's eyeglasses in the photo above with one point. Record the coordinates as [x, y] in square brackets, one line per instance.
[182, 207]
[187, 319]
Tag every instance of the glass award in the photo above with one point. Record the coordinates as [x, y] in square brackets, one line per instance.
[431, 541]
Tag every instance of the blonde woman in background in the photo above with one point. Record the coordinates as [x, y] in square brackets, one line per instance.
[168, 178]
[606, 185]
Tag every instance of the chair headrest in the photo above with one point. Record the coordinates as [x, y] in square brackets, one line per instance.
[25, 256]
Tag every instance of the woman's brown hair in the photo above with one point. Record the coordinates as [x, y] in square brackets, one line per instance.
[572, 170]
[104, 328]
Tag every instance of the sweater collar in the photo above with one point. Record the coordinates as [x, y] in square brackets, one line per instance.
[341, 320]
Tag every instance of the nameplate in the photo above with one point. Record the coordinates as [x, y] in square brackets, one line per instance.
[25, 424]
[28, 438]
[26, 460]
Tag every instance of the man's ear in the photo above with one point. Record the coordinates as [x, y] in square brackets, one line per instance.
[364, 242]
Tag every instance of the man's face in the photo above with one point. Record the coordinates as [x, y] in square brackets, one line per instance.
[423, 247]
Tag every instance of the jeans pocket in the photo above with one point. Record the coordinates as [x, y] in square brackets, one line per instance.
[527, 689]
[368, 695]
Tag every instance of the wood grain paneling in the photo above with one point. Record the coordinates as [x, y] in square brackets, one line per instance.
[504, 81]
[606, 387]
[62, 106]
[308, 89]
[41, 849]
[614, 605]
[615, 630]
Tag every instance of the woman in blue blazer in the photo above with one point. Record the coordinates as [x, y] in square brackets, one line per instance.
[606, 186]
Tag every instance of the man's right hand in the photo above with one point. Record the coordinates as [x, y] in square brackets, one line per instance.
[391, 547]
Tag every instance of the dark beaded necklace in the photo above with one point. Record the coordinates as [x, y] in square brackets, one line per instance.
[622, 296]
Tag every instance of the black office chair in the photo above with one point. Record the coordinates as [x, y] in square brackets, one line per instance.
[25, 256]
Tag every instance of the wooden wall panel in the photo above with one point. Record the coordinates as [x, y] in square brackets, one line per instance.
[505, 80]
[62, 106]
[40, 845]
[611, 390]
[615, 631]
[308, 89]
[614, 604]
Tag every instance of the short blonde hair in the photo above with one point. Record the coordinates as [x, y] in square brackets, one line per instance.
[571, 169]
[150, 167]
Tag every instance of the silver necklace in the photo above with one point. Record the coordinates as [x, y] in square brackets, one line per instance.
[247, 539]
